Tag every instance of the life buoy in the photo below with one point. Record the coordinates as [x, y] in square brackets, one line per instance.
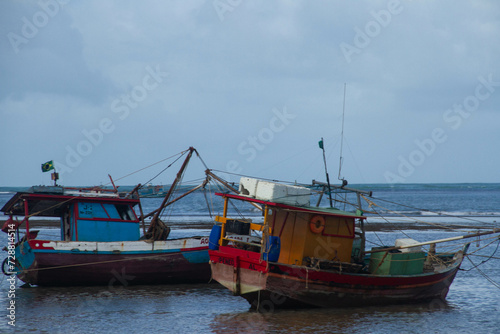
[317, 224]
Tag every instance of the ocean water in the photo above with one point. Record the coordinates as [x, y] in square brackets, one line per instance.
[472, 305]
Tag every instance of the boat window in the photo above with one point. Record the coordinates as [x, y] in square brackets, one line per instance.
[91, 210]
[125, 212]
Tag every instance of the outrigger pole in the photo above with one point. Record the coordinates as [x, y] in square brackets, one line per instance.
[494, 231]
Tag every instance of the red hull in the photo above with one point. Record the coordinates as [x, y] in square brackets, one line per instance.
[62, 269]
[320, 289]
[274, 285]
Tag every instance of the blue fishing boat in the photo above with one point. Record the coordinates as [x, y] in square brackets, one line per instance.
[100, 240]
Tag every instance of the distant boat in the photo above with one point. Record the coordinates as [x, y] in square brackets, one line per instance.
[152, 191]
[99, 240]
[304, 256]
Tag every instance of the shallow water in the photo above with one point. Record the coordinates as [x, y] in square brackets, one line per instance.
[473, 306]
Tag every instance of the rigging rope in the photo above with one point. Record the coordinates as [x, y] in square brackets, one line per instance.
[201, 159]
[371, 203]
[489, 279]
[154, 177]
[206, 200]
[250, 176]
[389, 222]
[437, 213]
[484, 261]
[139, 170]
[98, 262]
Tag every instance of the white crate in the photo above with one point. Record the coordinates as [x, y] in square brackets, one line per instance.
[275, 192]
[408, 242]
[248, 186]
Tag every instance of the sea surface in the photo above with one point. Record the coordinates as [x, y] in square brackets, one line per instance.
[472, 305]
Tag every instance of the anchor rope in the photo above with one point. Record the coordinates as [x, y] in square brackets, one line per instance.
[484, 261]
[489, 279]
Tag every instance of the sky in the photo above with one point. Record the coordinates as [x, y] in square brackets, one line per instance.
[110, 87]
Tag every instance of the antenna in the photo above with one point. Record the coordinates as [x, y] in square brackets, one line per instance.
[342, 136]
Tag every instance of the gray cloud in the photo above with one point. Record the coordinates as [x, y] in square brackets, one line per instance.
[229, 67]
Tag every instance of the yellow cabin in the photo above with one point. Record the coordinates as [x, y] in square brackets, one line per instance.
[304, 233]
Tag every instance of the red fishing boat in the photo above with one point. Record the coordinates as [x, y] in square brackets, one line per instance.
[304, 256]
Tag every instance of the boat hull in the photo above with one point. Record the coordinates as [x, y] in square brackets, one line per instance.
[278, 285]
[285, 291]
[48, 263]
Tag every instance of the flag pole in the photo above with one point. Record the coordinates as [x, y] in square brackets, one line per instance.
[55, 176]
[322, 146]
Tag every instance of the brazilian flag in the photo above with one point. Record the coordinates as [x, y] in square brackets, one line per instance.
[320, 143]
[49, 165]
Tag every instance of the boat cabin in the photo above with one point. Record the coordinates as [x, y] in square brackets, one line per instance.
[293, 232]
[85, 214]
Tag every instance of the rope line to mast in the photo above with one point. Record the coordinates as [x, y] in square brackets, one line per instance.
[372, 203]
[430, 211]
[139, 170]
[164, 169]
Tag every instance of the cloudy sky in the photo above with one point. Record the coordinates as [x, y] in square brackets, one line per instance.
[109, 87]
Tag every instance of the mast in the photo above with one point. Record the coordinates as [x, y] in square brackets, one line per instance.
[342, 136]
[322, 146]
[157, 232]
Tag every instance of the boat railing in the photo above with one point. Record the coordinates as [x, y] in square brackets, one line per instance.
[343, 187]
[233, 230]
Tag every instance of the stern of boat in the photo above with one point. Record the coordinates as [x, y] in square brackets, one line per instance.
[240, 271]
[24, 263]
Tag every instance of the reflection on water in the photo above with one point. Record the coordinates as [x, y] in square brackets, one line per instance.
[203, 308]
[341, 320]
[124, 309]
